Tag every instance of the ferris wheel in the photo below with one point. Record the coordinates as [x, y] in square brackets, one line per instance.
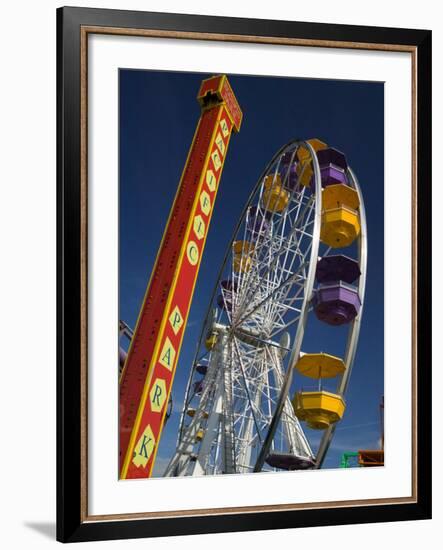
[299, 250]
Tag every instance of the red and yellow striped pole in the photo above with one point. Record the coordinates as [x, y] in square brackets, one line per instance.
[148, 374]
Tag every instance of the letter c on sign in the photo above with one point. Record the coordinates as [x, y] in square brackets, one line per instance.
[192, 253]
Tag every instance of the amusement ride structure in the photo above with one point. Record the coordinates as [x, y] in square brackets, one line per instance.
[298, 250]
[284, 263]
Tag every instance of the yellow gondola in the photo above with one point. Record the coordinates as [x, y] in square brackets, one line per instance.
[242, 264]
[339, 226]
[304, 166]
[339, 194]
[320, 365]
[319, 409]
[275, 199]
[272, 180]
[303, 153]
[242, 260]
[191, 412]
[243, 247]
[210, 341]
[199, 435]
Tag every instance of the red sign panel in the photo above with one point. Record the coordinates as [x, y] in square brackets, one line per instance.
[152, 359]
[210, 85]
[231, 103]
[219, 86]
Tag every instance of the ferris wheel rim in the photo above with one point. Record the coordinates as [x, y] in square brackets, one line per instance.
[301, 325]
[351, 346]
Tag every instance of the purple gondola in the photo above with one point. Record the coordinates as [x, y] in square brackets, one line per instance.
[198, 387]
[289, 179]
[289, 163]
[287, 461]
[224, 300]
[332, 156]
[336, 304]
[201, 369]
[287, 157]
[257, 221]
[227, 285]
[333, 167]
[224, 303]
[337, 268]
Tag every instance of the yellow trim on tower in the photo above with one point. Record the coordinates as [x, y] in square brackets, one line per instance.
[136, 426]
[198, 267]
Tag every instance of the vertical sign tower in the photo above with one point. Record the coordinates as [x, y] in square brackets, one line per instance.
[148, 374]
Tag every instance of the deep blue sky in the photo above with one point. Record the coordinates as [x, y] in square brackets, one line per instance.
[158, 116]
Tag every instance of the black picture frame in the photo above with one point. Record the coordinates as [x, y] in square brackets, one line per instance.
[72, 522]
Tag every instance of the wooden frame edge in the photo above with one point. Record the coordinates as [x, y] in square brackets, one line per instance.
[276, 40]
[88, 29]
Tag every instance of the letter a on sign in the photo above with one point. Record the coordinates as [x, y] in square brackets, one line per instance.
[167, 354]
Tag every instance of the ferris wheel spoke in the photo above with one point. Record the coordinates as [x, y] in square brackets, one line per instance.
[274, 263]
[271, 264]
[245, 381]
[270, 296]
[301, 270]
